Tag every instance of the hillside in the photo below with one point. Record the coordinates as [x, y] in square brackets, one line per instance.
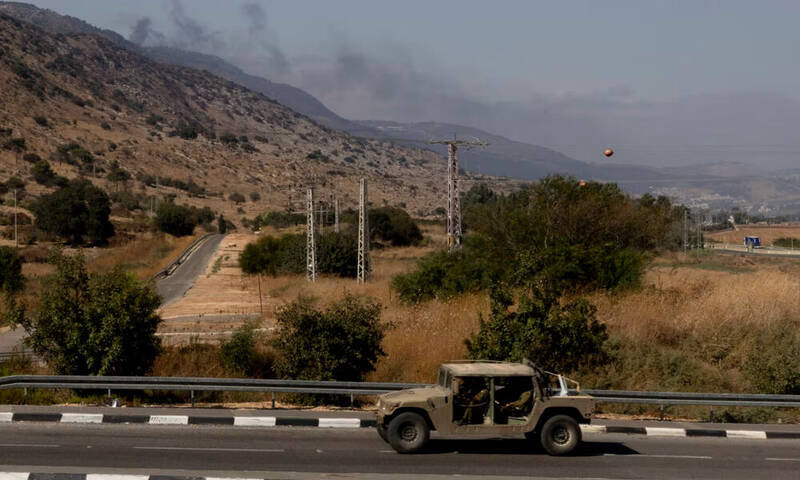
[84, 102]
[294, 98]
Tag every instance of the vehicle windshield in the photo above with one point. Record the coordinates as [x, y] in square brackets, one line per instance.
[444, 378]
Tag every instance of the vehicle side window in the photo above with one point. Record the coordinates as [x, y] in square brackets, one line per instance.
[471, 400]
[513, 399]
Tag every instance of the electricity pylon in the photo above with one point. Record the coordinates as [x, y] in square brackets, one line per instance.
[453, 197]
[311, 258]
[363, 234]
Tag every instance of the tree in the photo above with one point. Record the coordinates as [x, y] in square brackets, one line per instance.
[11, 279]
[337, 254]
[79, 209]
[342, 342]
[175, 219]
[222, 224]
[117, 174]
[94, 324]
[558, 337]
[394, 225]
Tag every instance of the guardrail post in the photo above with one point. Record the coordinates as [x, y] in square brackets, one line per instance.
[273, 400]
[352, 400]
[711, 414]
[25, 396]
[191, 392]
[661, 412]
[109, 394]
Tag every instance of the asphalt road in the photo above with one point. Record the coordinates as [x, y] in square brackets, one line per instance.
[173, 287]
[253, 452]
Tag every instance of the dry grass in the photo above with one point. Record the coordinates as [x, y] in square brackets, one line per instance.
[144, 256]
[768, 233]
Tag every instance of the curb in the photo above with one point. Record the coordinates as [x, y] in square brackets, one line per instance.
[345, 422]
[95, 418]
[97, 476]
[690, 432]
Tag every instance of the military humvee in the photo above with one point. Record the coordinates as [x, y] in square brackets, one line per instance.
[487, 398]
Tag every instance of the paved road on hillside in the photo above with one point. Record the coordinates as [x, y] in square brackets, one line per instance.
[173, 287]
[248, 451]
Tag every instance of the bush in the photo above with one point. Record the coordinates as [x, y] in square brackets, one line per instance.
[94, 324]
[773, 364]
[222, 224]
[238, 354]
[43, 174]
[31, 157]
[787, 242]
[79, 209]
[11, 279]
[443, 275]
[15, 183]
[342, 342]
[394, 225]
[228, 139]
[559, 338]
[337, 254]
[126, 199]
[255, 196]
[237, 198]
[175, 219]
[278, 220]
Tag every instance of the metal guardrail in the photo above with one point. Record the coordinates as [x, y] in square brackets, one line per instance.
[192, 384]
[181, 258]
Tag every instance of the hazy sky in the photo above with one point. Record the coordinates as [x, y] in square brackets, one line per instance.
[664, 82]
[505, 50]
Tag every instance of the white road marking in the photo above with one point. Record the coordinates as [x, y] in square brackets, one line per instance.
[697, 457]
[213, 449]
[14, 475]
[103, 476]
[6, 416]
[746, 434]
[665, 432]
[783, 459]
[339, 422]
[169, 420]
[593, 428]
[254, 421]
[81, 418]
[31, 445]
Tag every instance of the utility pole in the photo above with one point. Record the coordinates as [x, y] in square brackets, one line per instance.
[453, 197]
[685, 229]
[311, 259]
[363, 234]
[336, 215]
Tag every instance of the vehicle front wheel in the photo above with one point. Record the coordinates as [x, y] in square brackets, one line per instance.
[408, 432]
[560, 435]
[382, 432]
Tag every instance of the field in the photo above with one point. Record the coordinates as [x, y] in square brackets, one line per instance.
[768, 233]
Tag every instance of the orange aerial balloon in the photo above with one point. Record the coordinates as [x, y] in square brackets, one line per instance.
[582, 183]
[608, 152]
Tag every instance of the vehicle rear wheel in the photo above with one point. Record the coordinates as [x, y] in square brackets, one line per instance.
[408, 432]
[382, 432]
[560, 435]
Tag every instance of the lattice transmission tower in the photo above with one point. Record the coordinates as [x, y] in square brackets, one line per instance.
[364, 265]
[311, 258]
[453, 196]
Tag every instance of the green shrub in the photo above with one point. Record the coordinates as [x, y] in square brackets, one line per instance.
[278, 220]
[443, 275]
[255, 196]
[337, 254]
[787, 242]
[177, 220]
[11, 279]
[74, 211]
[94, 324]
[238, 354]
[127, 199]
[237, 198]
[394, 225]
[773, 363]
[557, 337]
[342, 342]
